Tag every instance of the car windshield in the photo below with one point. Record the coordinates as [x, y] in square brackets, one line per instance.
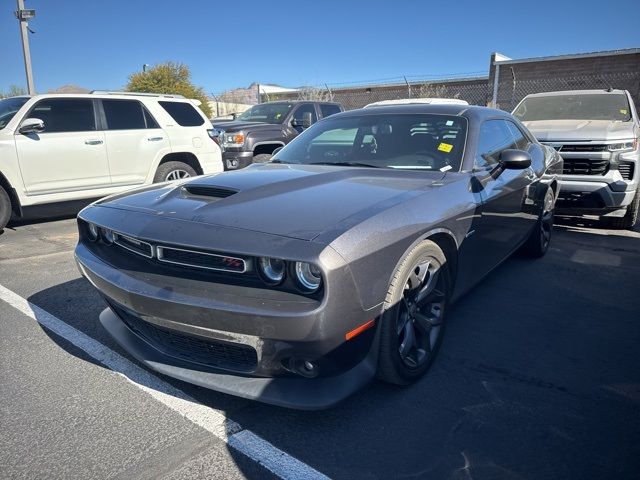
[399, 141]
[613, 107]
[9, 107]
[267, 113]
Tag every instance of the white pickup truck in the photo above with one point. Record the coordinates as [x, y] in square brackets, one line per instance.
[596, 132]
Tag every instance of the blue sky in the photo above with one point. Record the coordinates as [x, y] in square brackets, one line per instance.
[97, 44]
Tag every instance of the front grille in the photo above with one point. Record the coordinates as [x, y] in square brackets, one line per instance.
[133, 244]
[585, 166]
[626, 170]
[212, 353]
[582, 148]
[209, 261]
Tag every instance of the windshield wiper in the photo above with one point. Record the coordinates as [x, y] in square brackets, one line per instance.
[347, 164]
[277, 160]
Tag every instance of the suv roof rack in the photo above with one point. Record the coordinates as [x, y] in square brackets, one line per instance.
[137, 94]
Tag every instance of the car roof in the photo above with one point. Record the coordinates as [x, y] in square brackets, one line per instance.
[298, 101]
[412, 101]
[578, 92]
[470, 111]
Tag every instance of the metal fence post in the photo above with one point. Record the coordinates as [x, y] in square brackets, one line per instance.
[496, 77]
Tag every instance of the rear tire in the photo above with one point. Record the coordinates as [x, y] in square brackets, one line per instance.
[5, 208]
[412, 323]
[538, 242]
[630, 218]
[173, 171]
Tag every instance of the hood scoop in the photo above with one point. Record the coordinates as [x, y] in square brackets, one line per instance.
[208, 191]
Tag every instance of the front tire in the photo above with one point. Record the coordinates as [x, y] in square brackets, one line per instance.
[412, 323]
[5, 208]
[538, 242]
[169, 171]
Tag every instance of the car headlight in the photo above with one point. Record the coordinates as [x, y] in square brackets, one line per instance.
[234, 139]
[272, 270]
[616, 147]
[107, 236]
[308, 276]
[92, 231]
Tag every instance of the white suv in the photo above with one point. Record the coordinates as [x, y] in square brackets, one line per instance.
[57, 148]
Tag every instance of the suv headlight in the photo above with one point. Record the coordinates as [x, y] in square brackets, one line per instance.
[234, 139]
[628, 145]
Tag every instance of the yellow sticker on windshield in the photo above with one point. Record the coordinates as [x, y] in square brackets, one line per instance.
[623, 111]
[445, 147]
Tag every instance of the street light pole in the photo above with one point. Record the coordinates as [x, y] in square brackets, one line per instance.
[23, 16]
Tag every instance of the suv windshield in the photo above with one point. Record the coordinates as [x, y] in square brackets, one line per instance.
[613, 107]
[9, 107]
[267, 113]
[400, 141]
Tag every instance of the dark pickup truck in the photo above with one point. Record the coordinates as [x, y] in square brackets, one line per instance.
[256, 133]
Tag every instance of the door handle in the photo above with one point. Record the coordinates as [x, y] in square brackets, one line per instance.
[155, 139]
[93, 142]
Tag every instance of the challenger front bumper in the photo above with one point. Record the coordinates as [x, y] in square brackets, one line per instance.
[241, 340]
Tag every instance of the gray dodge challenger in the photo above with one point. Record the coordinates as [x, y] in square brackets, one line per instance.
[298, 281]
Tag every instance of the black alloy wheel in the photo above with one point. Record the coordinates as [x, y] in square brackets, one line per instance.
[413, 321]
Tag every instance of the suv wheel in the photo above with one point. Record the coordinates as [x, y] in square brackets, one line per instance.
[412, 323]
[173, 171]
[5, 208]
[630, 218]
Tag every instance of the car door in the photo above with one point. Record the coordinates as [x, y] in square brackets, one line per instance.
[69, 155]
[134, 140]
[504, 221]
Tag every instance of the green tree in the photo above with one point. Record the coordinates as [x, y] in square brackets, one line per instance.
[171, 78]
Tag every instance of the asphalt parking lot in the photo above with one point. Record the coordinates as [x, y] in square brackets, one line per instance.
[538, 378]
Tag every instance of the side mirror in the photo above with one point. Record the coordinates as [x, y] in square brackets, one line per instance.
[511, 159]
[31, 125]
[276, 151]
[306, 120]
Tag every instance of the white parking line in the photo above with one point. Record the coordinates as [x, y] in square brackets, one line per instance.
[256, 448]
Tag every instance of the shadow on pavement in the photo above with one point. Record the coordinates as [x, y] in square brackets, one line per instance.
[538, 377]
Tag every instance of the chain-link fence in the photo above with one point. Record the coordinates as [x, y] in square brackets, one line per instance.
[473, 90]
[516, 79]
[511, 90]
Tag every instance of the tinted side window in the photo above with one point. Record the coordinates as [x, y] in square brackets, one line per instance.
[124, 114]
[65, 114]
[327, 110]
[522, 142]
[303, 109]
[183, 113]
[495, 136]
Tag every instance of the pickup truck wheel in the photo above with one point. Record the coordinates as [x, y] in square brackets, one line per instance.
[262, 158]
[412, 323]
[538, 242]
[173, 171]
[630, 218]
[5, 208]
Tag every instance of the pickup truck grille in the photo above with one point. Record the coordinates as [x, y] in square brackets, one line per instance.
[585, 166]
[581, 148]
